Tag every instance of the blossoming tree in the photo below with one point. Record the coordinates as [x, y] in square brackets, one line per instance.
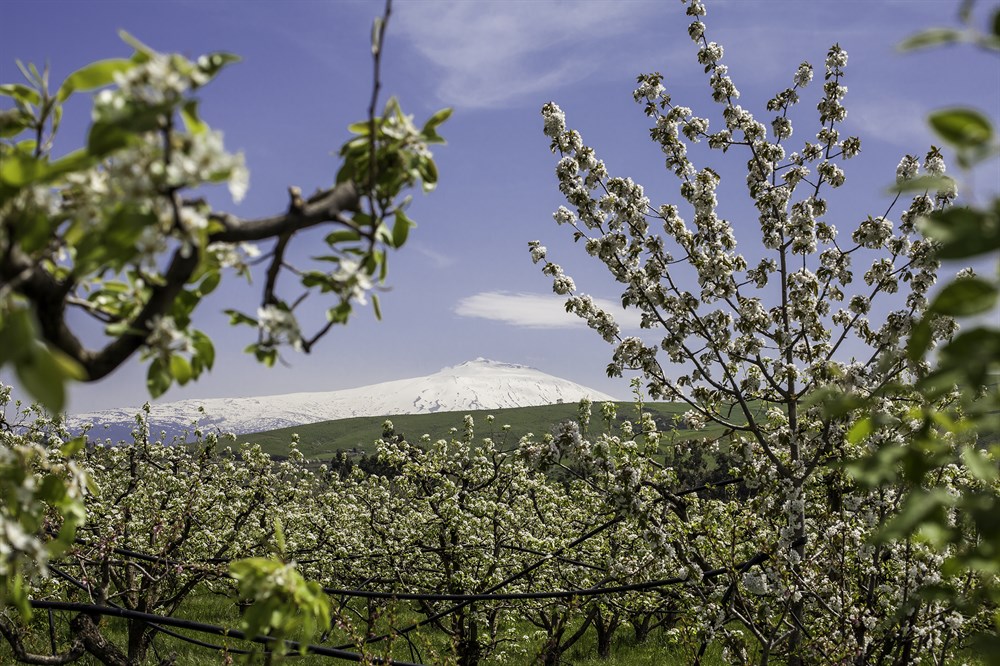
[116, 234]
[117, 230]
[753, 338]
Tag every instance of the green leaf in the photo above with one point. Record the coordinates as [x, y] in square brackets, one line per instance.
[925, 184]
[180, 368]
[18, 170]
[920, 340]
[73, 446]
[21, 93]
[204, 348]
[363, 128]
[237, 317]
[189, 114]
[78, 160]
[401, 229]
[428, 173]
[962, 231]
[142, 52]
[209, 284]
[342, 236]
[213, 63]
[17, 334]
[13, 122]
[996, 23]
[108, 136]
[978, 465]
[377, 307]
[430, 127]
[860, 430]
[919, 507]
[95, 75]
[965, 297]
[43, 377]
[967, 359]
[158, 378]
[932, 37]
[52, 489]
[962, 127]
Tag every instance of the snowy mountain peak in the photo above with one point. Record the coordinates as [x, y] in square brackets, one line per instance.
[490, 363]
[474, 385]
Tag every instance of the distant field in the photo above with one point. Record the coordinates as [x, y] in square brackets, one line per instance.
[324, 439]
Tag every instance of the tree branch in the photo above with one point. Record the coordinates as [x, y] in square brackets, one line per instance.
[23, 656]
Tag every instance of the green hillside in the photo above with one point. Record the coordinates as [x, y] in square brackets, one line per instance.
[324, 439]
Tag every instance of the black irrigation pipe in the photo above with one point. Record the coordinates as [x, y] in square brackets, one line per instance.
[505, 582]
[510, 596]
[741, 567]
[202, 627]
[163, 630]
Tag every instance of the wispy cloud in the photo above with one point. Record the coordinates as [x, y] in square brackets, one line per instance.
[536, 310]
[895, 120]
[494, 54]
[437, 259]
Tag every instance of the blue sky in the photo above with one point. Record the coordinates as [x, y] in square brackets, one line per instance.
[464, 286]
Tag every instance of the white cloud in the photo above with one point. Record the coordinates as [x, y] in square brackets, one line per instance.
[899, 121]
[493, 54]
[536, 310]
[437, 259]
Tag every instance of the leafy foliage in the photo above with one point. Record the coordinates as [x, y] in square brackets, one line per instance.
[960, 522]
[115, 229]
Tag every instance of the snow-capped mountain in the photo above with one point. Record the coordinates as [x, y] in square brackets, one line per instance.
[478, 384]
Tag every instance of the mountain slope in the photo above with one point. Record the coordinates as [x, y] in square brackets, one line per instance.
[474, 385]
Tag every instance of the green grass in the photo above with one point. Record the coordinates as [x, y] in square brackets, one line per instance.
[435, 649]
[323, 440]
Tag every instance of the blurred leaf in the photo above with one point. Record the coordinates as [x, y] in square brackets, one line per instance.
[236, 317]
[180, 368]
[342, 236]
[213, 63]
[107, 136]
[203, 348]
[962, 231]
[21, 92]
[17, 332]
[158, 378]
[210, 283]
[19, 170]
[73, 446]
[964, 297]
[13, 122]
[920, 340]
[962, 127]
[918, 507]
[860, 430]
[401, 229]
[363, 128]
[932, 37]
[189, 114]
[143, 52]
[44, 373]
[979, 465]
[924, 184]
[95, 75]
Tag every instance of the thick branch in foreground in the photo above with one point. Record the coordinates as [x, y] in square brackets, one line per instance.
[322, 207]
[48, 296]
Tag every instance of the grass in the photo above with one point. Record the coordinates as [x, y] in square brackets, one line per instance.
[323, 440]
[435, 649]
